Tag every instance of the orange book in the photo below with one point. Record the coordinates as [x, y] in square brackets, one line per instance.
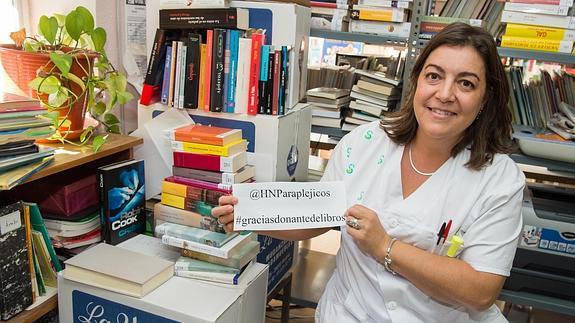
[207, 79]
[201, 88]
[205, 134]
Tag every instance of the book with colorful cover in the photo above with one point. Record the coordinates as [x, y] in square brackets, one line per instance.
[206, 186]
[122, 200]
[240, 176]
[226, 150]
[207, 237]
[15, 281]
[205, 134]
[164, 212]
[237, 260]
[226, 251]
[15, 176]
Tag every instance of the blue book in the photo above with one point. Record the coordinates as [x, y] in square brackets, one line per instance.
[234, 37]
[166, 79]
[226, 70]
[263, 79]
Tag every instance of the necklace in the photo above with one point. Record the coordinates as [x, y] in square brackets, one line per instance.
[415, 168]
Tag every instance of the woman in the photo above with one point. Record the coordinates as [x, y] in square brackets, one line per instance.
[439, 162]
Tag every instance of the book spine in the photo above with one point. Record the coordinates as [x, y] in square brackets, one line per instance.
[194, 246]
[166, 77]
[226, 72]
[537, 44]
[276, 81]
[218, 61]
[192, 72]
[230, 262]
[257, 41]
[202, 175]
[226, 189]
[539, 32]
[243, 73]
[182, 81]
[388, 14]
[396, 29]
[199, 18]
[201, 86]
[177, 72]
[567, 3]
[270, 82]
[194, 4]
[263, 78]
[283, 81]
[450, 20]
[208, 72]
[103, 210]
[191, 234]
[209, 162]
[153, 78]
[234, 37]
[192, 193]
[172, 73]
[232, 280]
[185, 266]
[193, 147]
[546, 9]
[537, 19]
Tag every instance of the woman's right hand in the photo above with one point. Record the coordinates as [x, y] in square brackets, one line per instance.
[225, 211]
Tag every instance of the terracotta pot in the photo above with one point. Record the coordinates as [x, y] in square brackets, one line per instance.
[21, 67]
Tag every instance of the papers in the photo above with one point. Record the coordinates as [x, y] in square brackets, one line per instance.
[289, 205]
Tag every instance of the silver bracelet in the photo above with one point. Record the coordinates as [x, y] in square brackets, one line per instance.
[387, 260]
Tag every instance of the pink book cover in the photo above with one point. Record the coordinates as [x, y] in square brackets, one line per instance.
[70, 198]
[200, 184]
[257, 41]
[199, 161]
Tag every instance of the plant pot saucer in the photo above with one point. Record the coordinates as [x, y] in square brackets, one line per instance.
[74, 134]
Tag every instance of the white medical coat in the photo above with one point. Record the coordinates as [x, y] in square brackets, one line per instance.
[485, 207]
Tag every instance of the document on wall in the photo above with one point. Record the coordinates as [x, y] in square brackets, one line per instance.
[289, 205]
[134, 57]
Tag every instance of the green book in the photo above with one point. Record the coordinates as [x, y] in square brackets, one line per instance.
[215, 239]
[190, 264]
[38, 224]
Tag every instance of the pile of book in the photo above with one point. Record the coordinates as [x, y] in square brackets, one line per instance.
[330, 14]
[207, 161]
[21, 123]
[329, 106]
[480, 13]
[341, 77]
[371, 96]
[389, 18]
[28, 261]
[539, 25]
[208, 58]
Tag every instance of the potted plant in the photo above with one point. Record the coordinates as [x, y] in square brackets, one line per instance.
[67, 68]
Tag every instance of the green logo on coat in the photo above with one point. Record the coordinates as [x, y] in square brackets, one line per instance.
[350, 168]
[368, 135]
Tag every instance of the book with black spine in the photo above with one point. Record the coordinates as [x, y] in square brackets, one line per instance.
[218, 61]
[232, 18]
[192, 71]
[151, 89]
[122, 200]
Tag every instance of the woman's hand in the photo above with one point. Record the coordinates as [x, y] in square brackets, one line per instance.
[225, 211]
[369, 235]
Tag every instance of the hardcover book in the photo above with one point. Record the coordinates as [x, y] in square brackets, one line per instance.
[215, 239]
[190, 264]
[122, 200]
[240, 176]
[207, 186]
[13, 177]
[226, 150]
[226, 251]
[193, 189]
[237, 260]
[210, 162]
[119, 270]
[218, 277]
[15, 281]
[166, 213]
[232, 18]
[15, 102]
[205, 134]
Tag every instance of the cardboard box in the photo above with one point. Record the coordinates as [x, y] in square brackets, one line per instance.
[177, 300]
[278, 145]
[285, 24]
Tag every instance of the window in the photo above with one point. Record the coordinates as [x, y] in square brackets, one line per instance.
[10, 19]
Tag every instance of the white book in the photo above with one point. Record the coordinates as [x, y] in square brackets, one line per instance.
[325, 112]
[226, 278]
[387, 3]
[547, 9]
[243, 72]
[326, 122]
[182, 76]
[223, 252]
[538, 19]
[394, 29]
[373, 110]
[177, 72]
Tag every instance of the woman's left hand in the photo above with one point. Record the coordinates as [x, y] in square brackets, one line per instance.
[370, 236]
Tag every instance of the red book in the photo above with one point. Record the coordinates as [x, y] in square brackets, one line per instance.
[257, 42]
[208, 69]
[276, 83]
[200, 184]
[228, 164]
[13, 102]
[206, 134]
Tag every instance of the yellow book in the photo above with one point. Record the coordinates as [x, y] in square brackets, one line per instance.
[174, 189]
[201, 88]
[173, 200]
[539, 32]
[388, 14]
[15, 176]
[548, 45]
[227, 150]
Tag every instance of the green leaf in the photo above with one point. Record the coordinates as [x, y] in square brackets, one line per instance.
[62, 61]
[99, 109]
[57, 99]
[61, 19]
[65, 123]
[48, 28]
[48, 85]
[86, 134]
[99, 140]
[110, 119]
[31, 45]
[75, 24]
[114, 128]
[99, 39]
[87, 18]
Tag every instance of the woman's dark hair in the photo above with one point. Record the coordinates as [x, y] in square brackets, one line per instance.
[491, 132]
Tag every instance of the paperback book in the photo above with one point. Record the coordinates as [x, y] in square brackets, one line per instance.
[122, 200]
[207, 237]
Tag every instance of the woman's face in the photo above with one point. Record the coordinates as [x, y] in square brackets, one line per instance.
[449, 94]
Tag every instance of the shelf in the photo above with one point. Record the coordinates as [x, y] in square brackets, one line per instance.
[358, 37]
[538, 55]
[333, 132]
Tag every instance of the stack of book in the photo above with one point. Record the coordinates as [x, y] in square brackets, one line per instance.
[341, 77]
[539, 25]
[390, 18]
[207, 162]
[21, 123]
[481, 13]
[372, 95]
[329, 106]
[208, 59]
[330, 14]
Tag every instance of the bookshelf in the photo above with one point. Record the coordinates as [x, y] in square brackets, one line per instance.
[68, 161]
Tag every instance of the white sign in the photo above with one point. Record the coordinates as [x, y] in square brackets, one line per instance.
[289, 205]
